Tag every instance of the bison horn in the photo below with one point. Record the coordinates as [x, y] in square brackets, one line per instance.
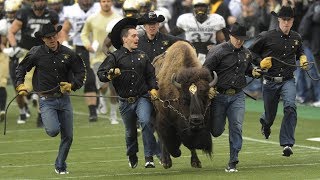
[174, 82]
[215, 79]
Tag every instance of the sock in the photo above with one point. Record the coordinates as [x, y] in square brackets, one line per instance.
[113, 109]
[92, 110]
[3, 98]
[22, 110]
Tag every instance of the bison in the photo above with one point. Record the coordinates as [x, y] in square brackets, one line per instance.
[183, 107]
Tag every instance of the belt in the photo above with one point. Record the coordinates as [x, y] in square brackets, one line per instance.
[277, 79]
[229, 91]
[130, 100]
[53, 95]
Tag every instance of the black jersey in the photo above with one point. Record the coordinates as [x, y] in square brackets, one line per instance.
[31, 24]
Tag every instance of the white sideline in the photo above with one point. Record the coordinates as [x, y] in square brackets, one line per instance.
[272, 142]
[172, 171]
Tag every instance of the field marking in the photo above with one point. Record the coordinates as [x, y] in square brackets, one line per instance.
[174, 171]
[273, 142]
[314, 139]
[54, 139]
[56, 150]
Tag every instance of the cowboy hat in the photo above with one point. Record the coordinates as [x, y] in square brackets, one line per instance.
[47, 30]
[150, 18]
[285, 11]
[239, 31]
[115, 35]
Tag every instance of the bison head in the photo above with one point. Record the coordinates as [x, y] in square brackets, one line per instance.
[193, 85]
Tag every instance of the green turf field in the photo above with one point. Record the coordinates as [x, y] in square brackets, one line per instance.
[98, 151]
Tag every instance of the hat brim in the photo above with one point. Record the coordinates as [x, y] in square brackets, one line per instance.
[277, 15]
[142, 21]
[116, 30]
[40, 35]
[239, 37]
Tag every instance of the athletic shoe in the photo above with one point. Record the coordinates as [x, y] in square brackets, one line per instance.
[61, 171]
[287, 151]
[265, 131]
[232, 167]
[22, 119]
[133, 161]
[149, 162]
[316, 104]
[93, 118]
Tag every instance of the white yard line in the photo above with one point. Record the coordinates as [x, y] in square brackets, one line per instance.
[172, 171]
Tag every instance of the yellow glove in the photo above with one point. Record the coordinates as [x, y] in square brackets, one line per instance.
[113, 73]
[212, 93]
[256, 72]
[65, 87]
[22, 90]
[154, 94]
[304, 62]
[266, 63]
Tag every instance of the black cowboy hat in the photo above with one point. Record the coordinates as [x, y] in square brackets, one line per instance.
[239, 31]
[47, 30]
[150, 18]
[116, 30]
[285, 11]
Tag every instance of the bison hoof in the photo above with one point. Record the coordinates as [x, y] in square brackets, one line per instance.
[176, 153]
[196, 164]
[167, 166]
[167, 163]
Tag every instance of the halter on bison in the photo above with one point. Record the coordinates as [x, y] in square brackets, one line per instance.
[182, 110]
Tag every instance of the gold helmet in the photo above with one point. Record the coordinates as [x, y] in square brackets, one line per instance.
[131, 8]
[201, 9]
[11, 6]
[146, 6]
[118, 3]
[54, 1]
[198, 2]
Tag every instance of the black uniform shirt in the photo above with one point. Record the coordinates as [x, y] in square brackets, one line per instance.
[137, 74]
[31, 24]
[158, 45]
[230, 64]
[52, 68]
[274, 43]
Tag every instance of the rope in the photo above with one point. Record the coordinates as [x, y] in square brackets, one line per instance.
[294, 65]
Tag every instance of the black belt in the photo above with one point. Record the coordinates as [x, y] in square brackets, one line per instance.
[229, 91]
[129, 99]
[277, 79]
[52, 95]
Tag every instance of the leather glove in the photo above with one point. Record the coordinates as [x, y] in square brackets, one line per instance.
[22, 90]
[266, 63]
[113, 73]
[304, 62]
[212, 92]
[256, 72]
[154, 94]
[65, 87]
